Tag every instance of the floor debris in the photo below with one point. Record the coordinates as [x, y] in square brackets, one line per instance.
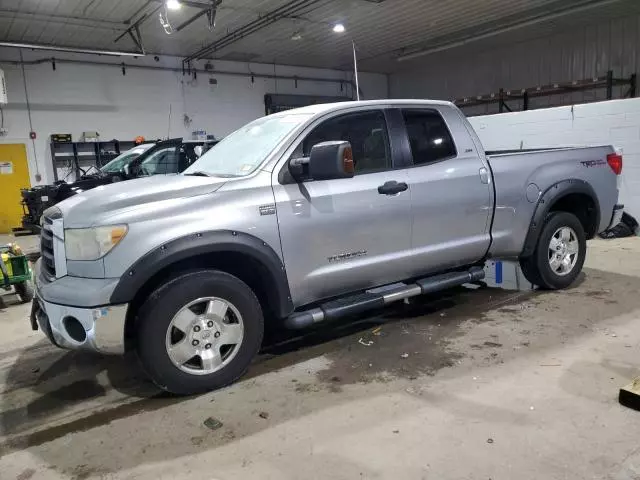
[404, 355]
[264, 415]
[365, 342]
[212, 423]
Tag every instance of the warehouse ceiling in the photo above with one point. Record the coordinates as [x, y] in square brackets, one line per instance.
[387, 33]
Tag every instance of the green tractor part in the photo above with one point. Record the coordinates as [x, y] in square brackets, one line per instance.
[15, 271]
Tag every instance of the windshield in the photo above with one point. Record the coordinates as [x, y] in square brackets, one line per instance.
[243, 151]
[117, 164]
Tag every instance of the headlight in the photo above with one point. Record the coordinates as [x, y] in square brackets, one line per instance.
[92, 243]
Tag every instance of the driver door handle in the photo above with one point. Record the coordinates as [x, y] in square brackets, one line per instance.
[392, 188]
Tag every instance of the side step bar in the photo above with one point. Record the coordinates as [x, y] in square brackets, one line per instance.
[379, 297]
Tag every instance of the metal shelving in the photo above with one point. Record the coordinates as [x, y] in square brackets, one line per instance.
[78, 158]
[523, 96]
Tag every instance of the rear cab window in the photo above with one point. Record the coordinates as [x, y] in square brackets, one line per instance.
[429, 137]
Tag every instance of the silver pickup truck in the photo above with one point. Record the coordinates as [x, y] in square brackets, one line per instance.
[302, 217]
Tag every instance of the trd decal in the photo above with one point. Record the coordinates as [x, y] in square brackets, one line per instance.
[593, 163]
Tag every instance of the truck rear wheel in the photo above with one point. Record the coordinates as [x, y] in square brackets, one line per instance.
[560, 252]
[199, 332]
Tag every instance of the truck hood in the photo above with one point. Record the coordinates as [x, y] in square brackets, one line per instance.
[86, 208]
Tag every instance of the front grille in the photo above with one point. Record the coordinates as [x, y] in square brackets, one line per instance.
[46, 248]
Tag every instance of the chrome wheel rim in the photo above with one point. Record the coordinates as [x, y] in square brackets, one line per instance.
[564, 249]
[205, 335]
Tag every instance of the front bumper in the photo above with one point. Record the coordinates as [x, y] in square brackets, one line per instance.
[99, 328]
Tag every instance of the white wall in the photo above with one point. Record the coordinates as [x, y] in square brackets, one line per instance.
[615, 122]
[76, 98]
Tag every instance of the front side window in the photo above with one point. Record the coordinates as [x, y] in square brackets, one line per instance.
[161, 162]
[367, 133]
[117, 164]
[429, 136]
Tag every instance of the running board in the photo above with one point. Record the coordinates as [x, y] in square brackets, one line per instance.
[379, 297]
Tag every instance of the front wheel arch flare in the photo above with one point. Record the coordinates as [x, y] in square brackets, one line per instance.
[200, 245]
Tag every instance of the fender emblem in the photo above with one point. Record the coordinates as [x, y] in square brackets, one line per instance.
[267, 209]
[346, 256]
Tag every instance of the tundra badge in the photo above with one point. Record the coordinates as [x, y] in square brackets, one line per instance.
[267, 209]
[347, 255]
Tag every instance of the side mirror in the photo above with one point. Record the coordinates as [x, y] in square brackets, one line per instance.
[127, 170]
[327, 161]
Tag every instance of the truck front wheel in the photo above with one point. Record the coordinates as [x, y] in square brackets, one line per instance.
[560, 252]
[199, 331]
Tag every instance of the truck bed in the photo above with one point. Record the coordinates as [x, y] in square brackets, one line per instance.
[518, 188]
[491, 153]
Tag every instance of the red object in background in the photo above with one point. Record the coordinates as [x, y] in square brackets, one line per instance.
[32, 135]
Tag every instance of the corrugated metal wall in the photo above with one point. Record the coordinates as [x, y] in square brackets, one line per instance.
[576, 53]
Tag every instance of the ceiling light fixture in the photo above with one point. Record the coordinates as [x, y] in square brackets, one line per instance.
[164, 21]
[173, 5]
[339, 28]
[211, 17]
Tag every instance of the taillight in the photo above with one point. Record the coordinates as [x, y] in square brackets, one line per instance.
[615, 162]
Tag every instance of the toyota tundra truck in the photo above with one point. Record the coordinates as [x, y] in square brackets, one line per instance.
[304, 217]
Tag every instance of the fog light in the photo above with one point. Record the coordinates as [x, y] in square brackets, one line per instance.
[74, 329]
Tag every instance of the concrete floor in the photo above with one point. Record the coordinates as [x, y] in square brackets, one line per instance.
[496, 385]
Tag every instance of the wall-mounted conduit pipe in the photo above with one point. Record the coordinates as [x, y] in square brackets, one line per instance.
[271, 76]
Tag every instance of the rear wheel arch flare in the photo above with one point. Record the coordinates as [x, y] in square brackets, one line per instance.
[564, 196]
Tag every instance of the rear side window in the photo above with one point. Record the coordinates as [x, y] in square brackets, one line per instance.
[429, 136]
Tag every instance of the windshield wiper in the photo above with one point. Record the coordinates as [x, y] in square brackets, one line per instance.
[200, 173]
[225, 175]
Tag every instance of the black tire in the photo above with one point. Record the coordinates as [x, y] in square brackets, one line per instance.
[24, 291]
[155, 315]
[530, 271]
[536, 268]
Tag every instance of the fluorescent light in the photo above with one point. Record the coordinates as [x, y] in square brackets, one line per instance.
[173, 5]
[35, 46]
[339, 28]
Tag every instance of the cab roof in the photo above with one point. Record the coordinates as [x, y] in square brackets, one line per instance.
[327, 107]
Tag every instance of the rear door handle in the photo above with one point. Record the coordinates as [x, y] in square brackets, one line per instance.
[392, 188]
